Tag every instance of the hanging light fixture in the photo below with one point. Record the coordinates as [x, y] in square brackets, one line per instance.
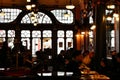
[70, 5]
[28, 0]
[111, 4]
[28, 7]
[93, 27]
[109, 18]
[31, 6]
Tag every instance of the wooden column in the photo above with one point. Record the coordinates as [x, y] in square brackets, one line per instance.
[100, 32]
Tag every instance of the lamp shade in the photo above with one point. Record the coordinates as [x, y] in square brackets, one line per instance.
[70, 6]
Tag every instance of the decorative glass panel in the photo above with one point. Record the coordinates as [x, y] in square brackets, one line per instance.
[69, 33]
[11, 42]
[60, 45]
[36, 45]
[10, 15]
[112, 42]
[47, 33]
[112, 33]
[60, 16]
[26, 42]
[26, 19]
[41, 18]
[47, 43]
[2, 33]
[69, 43]
[11, 33]
[25, 33]
[60, 33]
[36, 34]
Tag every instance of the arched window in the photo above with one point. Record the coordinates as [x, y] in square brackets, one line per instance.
[60, 16]
[40, 17]
[10, 15]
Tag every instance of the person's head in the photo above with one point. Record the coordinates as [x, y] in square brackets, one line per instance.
[77, 55]
[103, 62]
[113, 52]
[118, 57]
[91, 54]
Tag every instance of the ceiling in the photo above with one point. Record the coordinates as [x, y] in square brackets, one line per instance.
[59, 3]
[50, 3]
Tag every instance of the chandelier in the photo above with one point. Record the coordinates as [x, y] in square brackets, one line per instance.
[31, 6]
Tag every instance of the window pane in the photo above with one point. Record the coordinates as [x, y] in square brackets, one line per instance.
[39, 18]
[26, 42]
[47, 33]
[36, 34]
[69, 43]
[60, 33]
[11, 33]
[2, 33]
[60, 45]
[36, 45]
[25, 33]
[47, 43]
[112, 33]
[10, 15]
[69, 33]
[60, 16]
[112, 42]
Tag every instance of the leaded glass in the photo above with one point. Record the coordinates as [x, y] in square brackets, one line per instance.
[47, 33]
[10, 15]
[60, 16]
[60, 45]
[11, 33]
[69, 33]
[112, 33]
[25, 33]
[69, 43]
[36, 34]
[36, 45]
[41, 18]
[60, 33]
[2, 33]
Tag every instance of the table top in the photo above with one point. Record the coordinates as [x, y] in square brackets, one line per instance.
[93, 75]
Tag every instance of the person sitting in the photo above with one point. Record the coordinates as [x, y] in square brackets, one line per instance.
[74, 64]
[116, 68]
[104, 68]
[88, 60]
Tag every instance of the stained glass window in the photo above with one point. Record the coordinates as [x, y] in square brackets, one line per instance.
[25, 33]
[47, 33]
[11, 33]
[41, 18]
[60, 33]
[2, 33]
[69, 33]
[60, 16]
[36, 34]
[10, 15]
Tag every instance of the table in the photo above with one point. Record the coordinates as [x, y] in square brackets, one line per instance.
[93, 75]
